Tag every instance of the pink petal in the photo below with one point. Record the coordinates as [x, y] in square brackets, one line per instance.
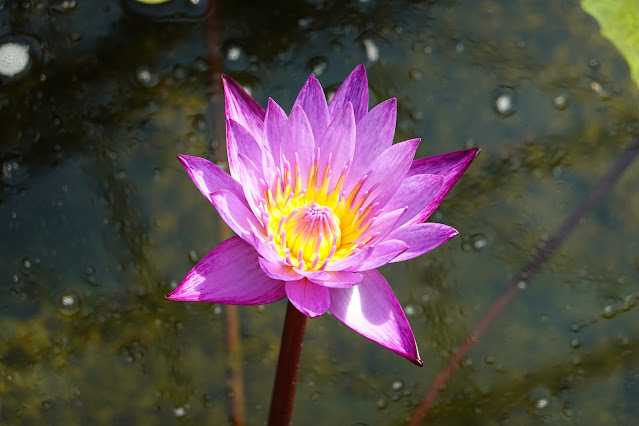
[374, 134]
[239, 140]
[274, 128]
[383, 225]
[354, 90]
[451, 165]
[337, 279]
[421, 238]
[371, 309]
[208, 177]
[298, 141]
[250, 176]
[310, 299]
[352, 262]
[279, 271]
[242, 108]
[236, 215]
[388, 171]
[338, 144]
[313, 101]
[229, 274]
[416, 192]
[383, 253]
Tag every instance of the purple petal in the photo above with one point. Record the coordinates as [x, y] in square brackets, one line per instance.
[339, 143]
[383, 225]
[236, 215]
[208, 177]
[266, 249]
[274, 128]
[310, 299]
[383, 253]
[354, 90]
[352, 262]
[279, 271]
[313, 101]
[242, 108]
[374, 134]
[298, 141]
[229, 274]
[388, 171]
[417, 193]
[371, 309]
[337, 279]
[451, 165]
[421, 238]
[250, 176]
[239, 140]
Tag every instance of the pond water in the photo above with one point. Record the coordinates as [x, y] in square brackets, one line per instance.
[99, 220]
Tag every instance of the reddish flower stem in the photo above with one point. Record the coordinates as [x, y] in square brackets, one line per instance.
[520, 281]
[288, 366]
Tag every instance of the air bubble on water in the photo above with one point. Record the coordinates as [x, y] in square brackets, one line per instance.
[381, 403]
[233, 53]
[146, 77]
[522, 284]
[561, 101]
[398, 385]
[372, 51]
[64, 6]
[478, 241]
[609, 312]
[69, 303]
[26, 266]
[505, 101]
[415, 75]
[318, 65]
[14, 58]
[179, 412]
[542, 403]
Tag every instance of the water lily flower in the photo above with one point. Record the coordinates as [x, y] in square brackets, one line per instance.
[319, 199]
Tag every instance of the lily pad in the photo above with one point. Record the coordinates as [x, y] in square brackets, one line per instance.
[619, 21]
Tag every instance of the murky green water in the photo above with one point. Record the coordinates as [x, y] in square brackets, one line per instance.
[99, 221]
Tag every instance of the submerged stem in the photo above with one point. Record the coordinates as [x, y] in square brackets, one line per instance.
[288, 366]
[520, 281]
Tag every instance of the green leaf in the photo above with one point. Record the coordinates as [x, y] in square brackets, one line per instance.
[619, 22]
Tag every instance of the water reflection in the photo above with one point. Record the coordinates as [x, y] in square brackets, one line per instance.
[100, 221]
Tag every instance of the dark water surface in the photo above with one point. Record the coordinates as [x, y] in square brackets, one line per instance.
[99, 220]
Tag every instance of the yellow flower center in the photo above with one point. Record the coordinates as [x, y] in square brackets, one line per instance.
[314, 224]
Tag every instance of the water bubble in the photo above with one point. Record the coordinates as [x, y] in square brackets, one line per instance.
[542, 403]
[609, 312]
[14, 59]
[575, 343]
[372, 51]
[233, 53]
[459, 47]
[522, 284]
[318, 65]
[478, 241]
[26, 266]
[179, 412]
[398, 385]
[415, 75]
[561, 101]
[69, 303]
[381, 403]
[146, 78]
[193, 257]
[489, 359]
[505, 101]
[64, 6]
